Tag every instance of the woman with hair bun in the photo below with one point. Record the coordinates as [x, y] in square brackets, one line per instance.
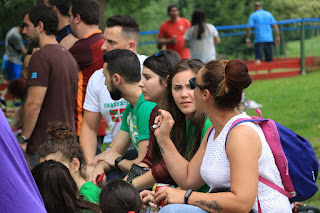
[230, 167]
[62, 146]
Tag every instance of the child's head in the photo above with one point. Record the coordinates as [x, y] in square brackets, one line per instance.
[58, 189]
[62, 146]
[119, 196]
[17, 88]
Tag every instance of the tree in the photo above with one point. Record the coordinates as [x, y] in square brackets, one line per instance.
[11, 12]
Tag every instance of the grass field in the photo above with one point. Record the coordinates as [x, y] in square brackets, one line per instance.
[312, 47]
[295, 103]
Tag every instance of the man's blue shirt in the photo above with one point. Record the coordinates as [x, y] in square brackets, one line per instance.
[261, 21]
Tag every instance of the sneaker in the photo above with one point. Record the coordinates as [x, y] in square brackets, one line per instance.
[251, 104]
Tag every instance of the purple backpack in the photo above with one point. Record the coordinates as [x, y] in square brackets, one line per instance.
[294, 157]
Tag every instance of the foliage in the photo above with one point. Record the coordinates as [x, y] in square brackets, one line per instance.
[150, 14]
[11, 12]
[302, 8]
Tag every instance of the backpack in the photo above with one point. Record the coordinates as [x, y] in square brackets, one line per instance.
[294, 157]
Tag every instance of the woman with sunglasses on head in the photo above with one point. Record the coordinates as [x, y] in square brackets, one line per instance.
[190, 126]
[156, 70]
[233, 164]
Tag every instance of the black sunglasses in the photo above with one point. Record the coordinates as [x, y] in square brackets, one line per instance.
[166, 59]
[193, 84]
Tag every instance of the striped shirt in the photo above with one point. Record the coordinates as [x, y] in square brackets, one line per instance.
[262, 20]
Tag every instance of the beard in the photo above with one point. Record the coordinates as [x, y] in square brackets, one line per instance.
[115, 93]
[35, 42]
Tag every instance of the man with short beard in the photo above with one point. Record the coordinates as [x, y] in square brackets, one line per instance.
[52, 80]
[121, 32]
[122, 72]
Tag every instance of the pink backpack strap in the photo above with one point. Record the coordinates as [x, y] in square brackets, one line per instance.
[275, 187]
[259, 206]
[242, 120]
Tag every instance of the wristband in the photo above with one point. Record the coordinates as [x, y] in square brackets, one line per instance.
[187, 195]
[117, 161]
[23, 140]
[248, 39]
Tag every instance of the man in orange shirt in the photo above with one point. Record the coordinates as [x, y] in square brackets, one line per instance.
[84, 24]
[171, 32]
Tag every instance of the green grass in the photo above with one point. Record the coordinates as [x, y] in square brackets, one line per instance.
[295, 103]
[312, 47]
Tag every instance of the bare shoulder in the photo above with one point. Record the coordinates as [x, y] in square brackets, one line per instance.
[243, 136]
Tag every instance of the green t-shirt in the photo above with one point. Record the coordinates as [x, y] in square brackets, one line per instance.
[90, 192]
[190, 129]
[136, 120]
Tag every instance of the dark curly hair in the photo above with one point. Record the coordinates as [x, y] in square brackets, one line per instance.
[62, 138]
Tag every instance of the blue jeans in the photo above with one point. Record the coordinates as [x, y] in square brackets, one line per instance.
[178, 208]
[265, 47]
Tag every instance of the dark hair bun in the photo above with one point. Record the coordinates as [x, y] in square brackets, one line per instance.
[237, 75]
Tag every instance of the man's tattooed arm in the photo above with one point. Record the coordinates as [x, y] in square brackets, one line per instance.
[210, 205]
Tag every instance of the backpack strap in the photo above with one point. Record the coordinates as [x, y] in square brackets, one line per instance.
[261, 179]
[275, 187]
[240, 121]
[259, 206]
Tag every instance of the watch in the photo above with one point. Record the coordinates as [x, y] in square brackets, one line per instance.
[187, 195]
[131, 182]
[117, 161]
[23, 140]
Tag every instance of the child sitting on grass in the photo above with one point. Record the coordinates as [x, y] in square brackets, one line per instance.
[62, 146]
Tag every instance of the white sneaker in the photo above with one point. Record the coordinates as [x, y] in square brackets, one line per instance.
[251, 104]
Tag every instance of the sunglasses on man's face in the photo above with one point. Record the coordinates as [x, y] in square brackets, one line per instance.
[193, 84]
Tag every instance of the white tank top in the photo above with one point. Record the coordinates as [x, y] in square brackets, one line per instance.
[215, 169]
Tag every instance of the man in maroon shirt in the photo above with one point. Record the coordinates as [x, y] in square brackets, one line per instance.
[84, 25]
[52, 80]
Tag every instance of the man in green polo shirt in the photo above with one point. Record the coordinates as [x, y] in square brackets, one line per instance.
[122, 71]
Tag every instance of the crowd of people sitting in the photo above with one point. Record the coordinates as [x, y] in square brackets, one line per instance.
[168, 115]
